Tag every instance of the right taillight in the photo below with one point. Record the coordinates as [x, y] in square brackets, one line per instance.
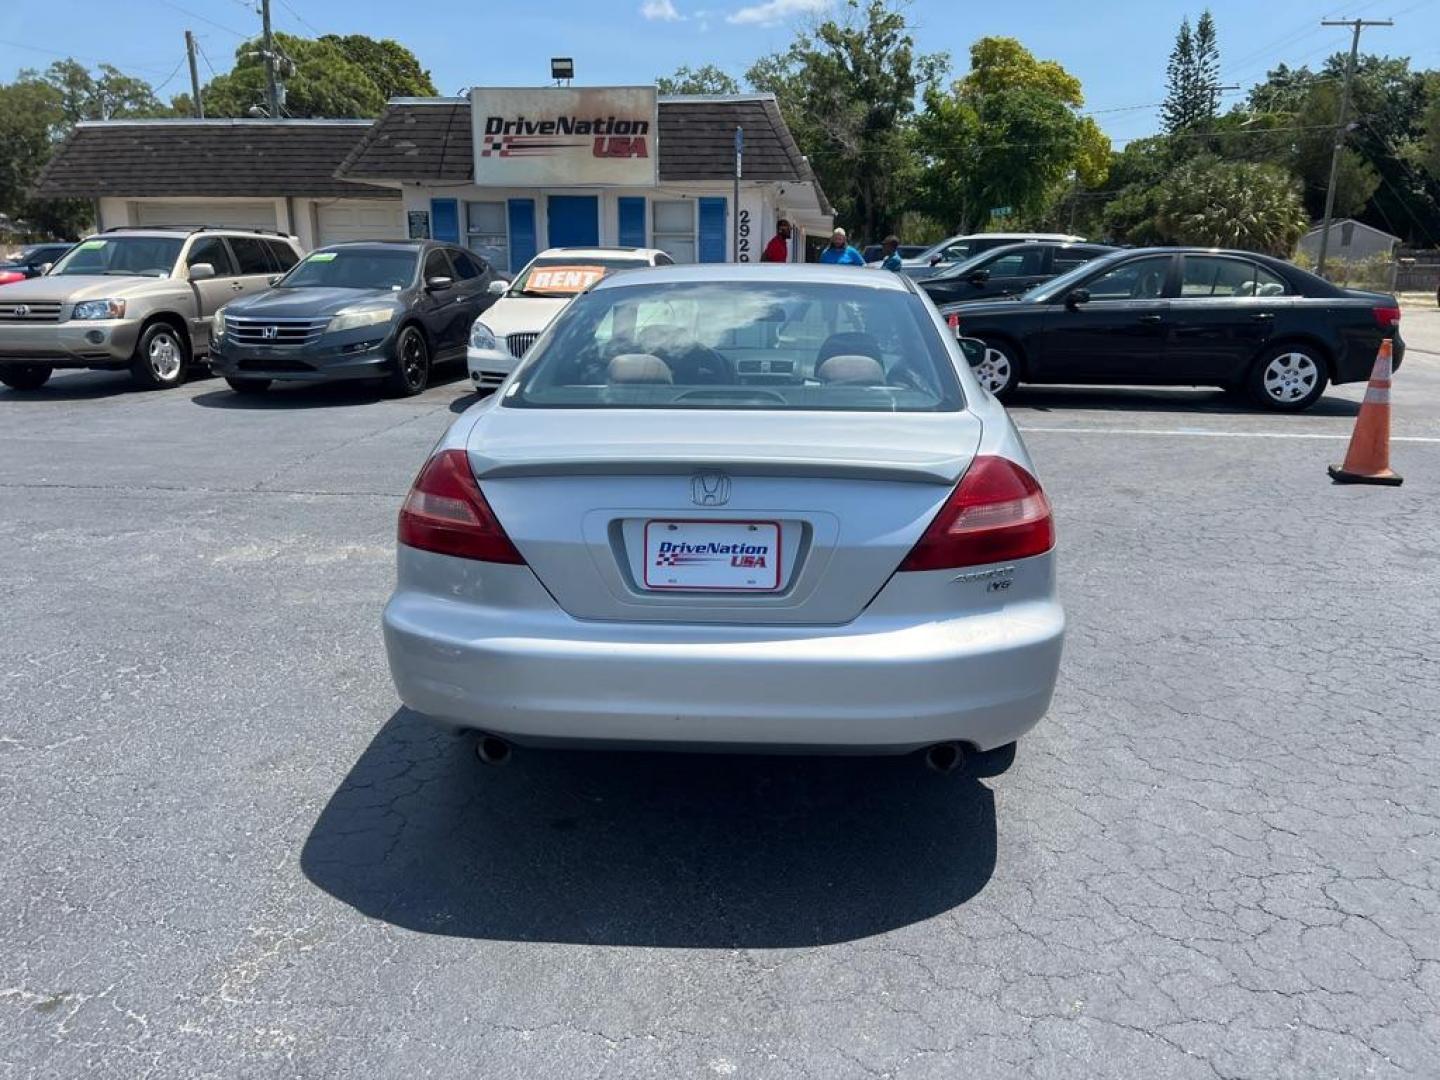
[997, 513]
[446, 513]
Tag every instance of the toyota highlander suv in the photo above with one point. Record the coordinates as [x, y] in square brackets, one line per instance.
[134, 298]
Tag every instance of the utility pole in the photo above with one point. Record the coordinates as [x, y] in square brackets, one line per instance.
[272, 90]
[1356, 25]
[199, 105]
[735, 210]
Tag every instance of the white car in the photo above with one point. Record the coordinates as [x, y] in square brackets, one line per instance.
[550, 281]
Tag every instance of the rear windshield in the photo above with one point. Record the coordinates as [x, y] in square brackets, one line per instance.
[567, 275]
[738, 345]
[146, 256]
[354, 268]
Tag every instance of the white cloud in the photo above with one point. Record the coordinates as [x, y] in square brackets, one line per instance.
[660, 11]
[775, 11]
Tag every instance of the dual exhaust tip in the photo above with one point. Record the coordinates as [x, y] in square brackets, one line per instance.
[942, 758]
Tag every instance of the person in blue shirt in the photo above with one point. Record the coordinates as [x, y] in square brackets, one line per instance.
[891, 261]
[840, 252]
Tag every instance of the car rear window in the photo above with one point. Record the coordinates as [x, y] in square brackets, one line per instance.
[738, 345]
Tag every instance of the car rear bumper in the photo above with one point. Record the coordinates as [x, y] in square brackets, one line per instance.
[1357, 359]
[301, 365]
[522, 668]
[73, 344]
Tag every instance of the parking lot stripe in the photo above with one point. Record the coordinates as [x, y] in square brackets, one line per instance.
[1208, 434]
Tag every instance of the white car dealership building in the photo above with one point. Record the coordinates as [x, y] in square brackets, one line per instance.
[508, 171]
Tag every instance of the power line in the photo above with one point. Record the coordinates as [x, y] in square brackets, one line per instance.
[213, 73]
[161, 85]
[301, 19]
[78, 56]
[207, 21]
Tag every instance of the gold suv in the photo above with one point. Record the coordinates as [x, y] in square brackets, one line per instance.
[134, 298]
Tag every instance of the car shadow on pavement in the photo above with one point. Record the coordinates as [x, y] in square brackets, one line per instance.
[667, 850]
[350, 392]
[1110, 399]
[460, 404]
[66, 386]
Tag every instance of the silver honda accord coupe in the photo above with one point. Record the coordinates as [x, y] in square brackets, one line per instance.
[739, 508]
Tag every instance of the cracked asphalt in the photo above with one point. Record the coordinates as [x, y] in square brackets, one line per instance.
[227, 852]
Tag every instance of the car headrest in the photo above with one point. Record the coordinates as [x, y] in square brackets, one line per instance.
[639, 369]
[852, 370]
[849, 343]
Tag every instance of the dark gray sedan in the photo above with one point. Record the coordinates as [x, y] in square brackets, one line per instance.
[1008, 271]
[372, 309]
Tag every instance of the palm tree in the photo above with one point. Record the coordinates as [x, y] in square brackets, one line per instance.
[1237, 204]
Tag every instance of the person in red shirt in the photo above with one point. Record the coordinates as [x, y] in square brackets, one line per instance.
[778, 249]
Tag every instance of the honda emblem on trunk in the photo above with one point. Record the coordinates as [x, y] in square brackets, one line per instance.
[269, 333]
[710, 489]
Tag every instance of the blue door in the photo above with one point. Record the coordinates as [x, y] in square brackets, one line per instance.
[573, 220]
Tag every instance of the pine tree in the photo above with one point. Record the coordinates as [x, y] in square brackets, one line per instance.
[1207, 68]
[1191, 77]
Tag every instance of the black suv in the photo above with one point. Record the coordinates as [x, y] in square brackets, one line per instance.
[386, 309]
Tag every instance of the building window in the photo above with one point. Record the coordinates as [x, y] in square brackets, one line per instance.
[485, 232]
[674, 228]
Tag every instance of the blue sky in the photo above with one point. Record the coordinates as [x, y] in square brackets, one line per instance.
[1117, 47]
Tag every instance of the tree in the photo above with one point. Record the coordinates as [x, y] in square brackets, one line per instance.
[1191, 77]
[36, 111]
[847, 90]
[1216, 203]
[330, 77]
[110, 95]
[394, 69]
[707, 79]
[1008, 134]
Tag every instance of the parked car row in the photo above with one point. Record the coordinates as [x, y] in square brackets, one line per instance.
[248, 302]
[258, 310]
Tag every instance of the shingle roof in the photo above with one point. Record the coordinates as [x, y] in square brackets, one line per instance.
[217, 158]
[431, 140]
[415, 139]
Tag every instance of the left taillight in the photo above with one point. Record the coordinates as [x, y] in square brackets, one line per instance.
[1386, 317]
[998, 512]
[446, 513]
[9, 276]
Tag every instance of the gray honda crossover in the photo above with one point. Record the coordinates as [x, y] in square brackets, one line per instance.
[379, 309]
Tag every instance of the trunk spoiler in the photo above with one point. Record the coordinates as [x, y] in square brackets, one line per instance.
[581, 460]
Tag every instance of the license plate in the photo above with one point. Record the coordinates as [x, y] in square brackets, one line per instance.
[733, 556]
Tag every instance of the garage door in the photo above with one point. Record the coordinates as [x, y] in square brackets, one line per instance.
[241, 215]
[360, 219]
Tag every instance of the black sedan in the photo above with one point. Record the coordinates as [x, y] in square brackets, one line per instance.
[387, 309]
[31, 261]
[1009, 270]
[1185, 317]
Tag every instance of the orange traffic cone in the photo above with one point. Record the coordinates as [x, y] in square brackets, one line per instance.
[1367, 461]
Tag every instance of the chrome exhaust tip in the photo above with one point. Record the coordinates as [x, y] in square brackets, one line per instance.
[492, 750]
[944, 757]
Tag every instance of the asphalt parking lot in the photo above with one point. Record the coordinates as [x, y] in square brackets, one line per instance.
[227, 851]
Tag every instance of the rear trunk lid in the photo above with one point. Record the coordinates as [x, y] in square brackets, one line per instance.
[796, 517]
